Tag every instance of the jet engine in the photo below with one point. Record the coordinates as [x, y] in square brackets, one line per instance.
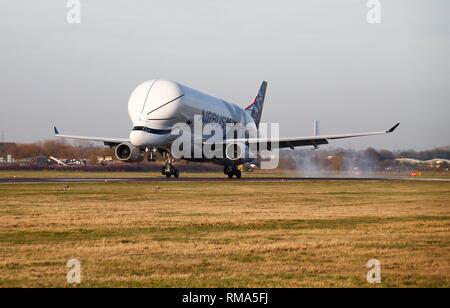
[127, 153]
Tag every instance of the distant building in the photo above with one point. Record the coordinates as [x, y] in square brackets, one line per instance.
[25, 162]
[42, 161]
[436, 163]
[105, 160]
[10, 159]
[76, 162]
[409, 161]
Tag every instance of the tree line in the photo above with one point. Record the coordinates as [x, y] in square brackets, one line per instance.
[337, 158]
[56, 148]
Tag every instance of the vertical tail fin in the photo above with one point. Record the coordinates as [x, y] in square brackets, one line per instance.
[316, 128]
[316, 133]
[256, 108]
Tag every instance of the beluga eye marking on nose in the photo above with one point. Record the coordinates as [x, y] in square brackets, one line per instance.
[152, 130]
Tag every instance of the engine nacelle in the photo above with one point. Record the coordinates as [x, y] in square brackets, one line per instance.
[127, 153]
[238, 151]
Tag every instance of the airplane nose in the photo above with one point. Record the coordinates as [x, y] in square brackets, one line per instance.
[139, 139]
[145, 137]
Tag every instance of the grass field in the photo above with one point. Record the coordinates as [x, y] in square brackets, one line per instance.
[226, 234]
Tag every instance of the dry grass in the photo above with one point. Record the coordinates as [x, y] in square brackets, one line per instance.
[315, 234]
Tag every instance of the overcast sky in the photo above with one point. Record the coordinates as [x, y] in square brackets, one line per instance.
[321, 58]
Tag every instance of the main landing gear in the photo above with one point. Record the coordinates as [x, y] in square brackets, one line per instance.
[231, 171]
[168, 169]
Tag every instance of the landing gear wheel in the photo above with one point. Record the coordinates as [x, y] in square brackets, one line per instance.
[232, 171]
[168, 169]
[172, 171]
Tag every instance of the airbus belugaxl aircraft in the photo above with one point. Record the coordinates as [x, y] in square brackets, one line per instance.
[156, 106]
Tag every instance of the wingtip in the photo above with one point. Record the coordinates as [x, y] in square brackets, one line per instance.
[394, 128]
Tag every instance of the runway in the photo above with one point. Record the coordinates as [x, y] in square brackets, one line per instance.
[207, 180]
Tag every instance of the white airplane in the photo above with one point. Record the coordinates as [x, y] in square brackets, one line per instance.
[156, 106]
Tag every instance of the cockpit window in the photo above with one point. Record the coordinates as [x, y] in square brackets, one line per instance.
[152, 130]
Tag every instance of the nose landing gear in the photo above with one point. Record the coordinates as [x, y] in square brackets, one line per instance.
[151, 155]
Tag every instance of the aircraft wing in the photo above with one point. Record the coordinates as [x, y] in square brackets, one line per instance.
[305, 141]
[107, 141]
